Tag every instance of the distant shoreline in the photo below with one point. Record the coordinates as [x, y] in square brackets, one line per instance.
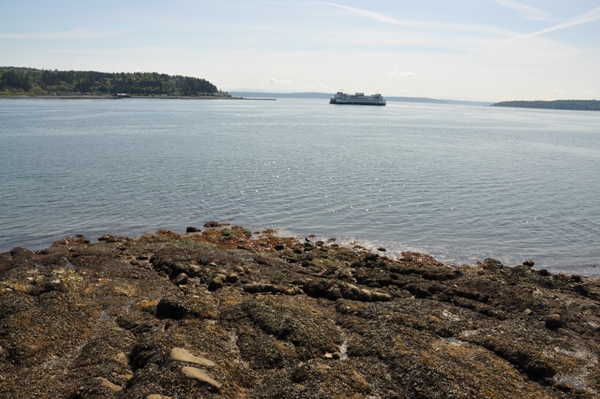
[572, 105]
[91, 97]
[327, 96]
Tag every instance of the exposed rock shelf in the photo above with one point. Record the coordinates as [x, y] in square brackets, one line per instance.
[225, 313]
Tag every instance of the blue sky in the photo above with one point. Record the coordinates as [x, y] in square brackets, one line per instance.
[488, 50]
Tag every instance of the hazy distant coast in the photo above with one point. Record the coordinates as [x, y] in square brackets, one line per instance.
[320, 95]
[579, 105]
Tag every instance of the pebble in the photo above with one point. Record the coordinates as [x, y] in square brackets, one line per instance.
[125, 377]
[200, 376]
[215, 284]
[554, 321]
[528, 263]
[121, 358]
[323, 367]
[181, 279]
[106, 383]
[157, 396]
[185, 356]
[239, 270]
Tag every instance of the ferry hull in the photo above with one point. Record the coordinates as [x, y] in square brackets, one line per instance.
[332, 101]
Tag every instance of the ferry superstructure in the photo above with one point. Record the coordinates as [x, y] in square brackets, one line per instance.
[357, 99]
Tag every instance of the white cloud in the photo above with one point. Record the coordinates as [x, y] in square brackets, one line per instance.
[400, 73]
[526, 11]
[589, 16]
[69, 34]
[421, 24]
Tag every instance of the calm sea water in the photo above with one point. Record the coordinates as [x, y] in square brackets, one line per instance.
[459, 182]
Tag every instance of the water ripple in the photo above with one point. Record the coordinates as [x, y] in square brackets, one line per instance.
[462, 183]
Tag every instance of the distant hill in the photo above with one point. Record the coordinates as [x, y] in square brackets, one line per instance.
[581, 105]
[48, 82]
[329, 95]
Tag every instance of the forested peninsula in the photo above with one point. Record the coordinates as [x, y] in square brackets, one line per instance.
[40, 82]
[581, 105]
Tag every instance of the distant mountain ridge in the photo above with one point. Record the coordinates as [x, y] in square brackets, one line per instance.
[580, 105]
[320, 95]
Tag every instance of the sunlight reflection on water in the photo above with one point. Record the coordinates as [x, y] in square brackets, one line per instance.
[460, 182]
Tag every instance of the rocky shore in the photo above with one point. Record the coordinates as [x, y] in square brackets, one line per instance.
[223, 312]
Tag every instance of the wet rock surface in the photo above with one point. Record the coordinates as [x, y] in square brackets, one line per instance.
[224, 313]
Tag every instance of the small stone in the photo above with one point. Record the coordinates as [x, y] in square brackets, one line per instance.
[192, 229]
[222, 276]
[232, 278]
[328, 356]
[528, 263]
[527, 312]
[200, 376]
[125, 377]
[492, 264]
[183, 355]
[319, 243]
[181, 279]
[380, 297]
[171, 308]
[157, 396]
[106, 383]
[336, 355]
[323, 367]
[121, 358]
[279, 247]
[293, 291]
[382, 249]
[239, 270]
[215, 284]
[554, 321]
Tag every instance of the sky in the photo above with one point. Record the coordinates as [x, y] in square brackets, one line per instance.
[480, 50]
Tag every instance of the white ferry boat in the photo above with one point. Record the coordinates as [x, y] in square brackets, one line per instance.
[357, 99]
